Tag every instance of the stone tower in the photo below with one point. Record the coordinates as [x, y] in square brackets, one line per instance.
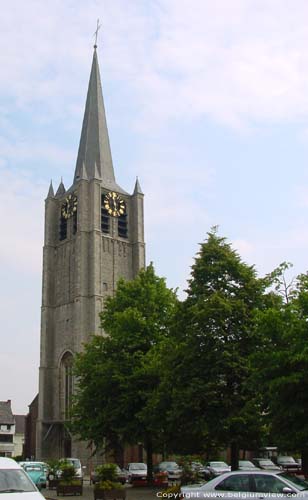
[94, 234]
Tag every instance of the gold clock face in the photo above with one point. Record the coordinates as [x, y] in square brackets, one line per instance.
[114, 204]
[69, 207]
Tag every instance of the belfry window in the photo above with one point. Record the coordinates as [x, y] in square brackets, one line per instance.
[74, 222]
[105, 218]
[122, 225]
[63, 228]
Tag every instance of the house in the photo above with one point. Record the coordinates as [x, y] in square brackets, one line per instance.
[7, 429]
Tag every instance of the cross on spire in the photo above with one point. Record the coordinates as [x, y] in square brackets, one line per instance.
[96, 33]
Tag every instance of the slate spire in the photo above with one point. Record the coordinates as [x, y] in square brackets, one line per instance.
[51, 193]
[137, 189]
[94, 148]
[61, 189]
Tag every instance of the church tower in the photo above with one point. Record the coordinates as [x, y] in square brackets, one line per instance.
[94, 235]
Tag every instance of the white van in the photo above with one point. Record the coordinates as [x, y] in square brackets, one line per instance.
[13, 479]
[75, 462]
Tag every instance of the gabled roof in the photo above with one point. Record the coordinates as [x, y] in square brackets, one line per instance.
[6, 415]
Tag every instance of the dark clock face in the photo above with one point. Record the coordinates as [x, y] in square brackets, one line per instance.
[114, 204]
[69, 207]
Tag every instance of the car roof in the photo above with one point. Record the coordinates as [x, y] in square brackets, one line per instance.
[258, 471]
[8, 463]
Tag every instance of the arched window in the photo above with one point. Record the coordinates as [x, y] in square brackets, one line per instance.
[67, 384]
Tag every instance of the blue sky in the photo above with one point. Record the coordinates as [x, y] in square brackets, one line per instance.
[207, 102]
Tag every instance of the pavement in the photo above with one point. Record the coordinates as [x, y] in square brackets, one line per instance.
[133, 493]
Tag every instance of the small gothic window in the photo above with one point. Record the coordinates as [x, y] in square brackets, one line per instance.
[122, 226]
[63, 228]
[105, 218]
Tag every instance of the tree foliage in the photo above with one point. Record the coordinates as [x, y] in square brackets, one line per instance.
[115, 380]
[225, 367]
[281, 368]
[208, 366]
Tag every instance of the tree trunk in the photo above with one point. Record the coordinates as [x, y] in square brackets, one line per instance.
[304, 456]
[234, 456]
[149, 450]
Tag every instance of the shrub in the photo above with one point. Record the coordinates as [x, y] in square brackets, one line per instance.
[109, 485]
[67, 473]
[107, 477]
[106, 472]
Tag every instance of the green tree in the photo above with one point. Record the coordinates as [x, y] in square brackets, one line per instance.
[281, 369]
[113, 403]
[206, 369]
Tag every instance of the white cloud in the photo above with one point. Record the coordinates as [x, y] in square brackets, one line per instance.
[238, 62]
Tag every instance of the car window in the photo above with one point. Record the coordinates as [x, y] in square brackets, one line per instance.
[239, 482]
[299, 483]
[14, 479]
[268, 484]
[75, 462]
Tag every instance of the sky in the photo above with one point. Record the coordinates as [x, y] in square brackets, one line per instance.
[206, 102]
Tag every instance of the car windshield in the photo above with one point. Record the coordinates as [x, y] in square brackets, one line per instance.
[300, 484]
[286, 459]
[75, 462]
[15, 480]
[266, 462]
[246, 463]
[218, 464]
[169, 465]
[137, 466]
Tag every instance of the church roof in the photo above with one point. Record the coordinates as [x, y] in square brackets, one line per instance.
[94, 154]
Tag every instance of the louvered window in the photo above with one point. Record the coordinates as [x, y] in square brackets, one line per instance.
[105, 218]
[63, 228]
[75, 222]
[122, 226]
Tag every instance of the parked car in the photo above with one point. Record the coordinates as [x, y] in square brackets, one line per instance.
[246, 465]
[172, 468]
[122, 475]
[37, 473]
[199, 468]
[257, 484]
[266, 464]
[160, 477]
[14, 480]
[215, 468]
[288, 464]
[75, 462]
[137, 471]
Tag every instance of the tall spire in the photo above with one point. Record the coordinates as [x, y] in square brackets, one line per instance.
[94, 147]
